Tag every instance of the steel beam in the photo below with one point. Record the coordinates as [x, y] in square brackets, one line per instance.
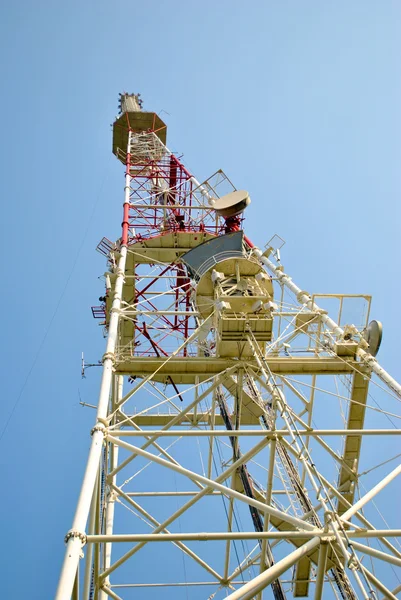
[249, 590]
[277, 433]
[352, 447]
[184, 370]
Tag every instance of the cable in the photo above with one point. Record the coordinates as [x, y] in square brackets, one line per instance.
[246, 481]
[42, 343]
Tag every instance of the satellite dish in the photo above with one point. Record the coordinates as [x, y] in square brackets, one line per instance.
[232, 204]
[373, 335]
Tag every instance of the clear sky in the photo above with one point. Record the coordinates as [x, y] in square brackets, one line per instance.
[298, 101]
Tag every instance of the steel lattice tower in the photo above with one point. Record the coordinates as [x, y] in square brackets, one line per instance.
[220, 465]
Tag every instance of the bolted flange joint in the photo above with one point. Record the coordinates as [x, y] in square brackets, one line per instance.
[101, 426]
[368, 359]
[109, 356]
[328, 519]
[327, 539]
[301, 294]
[73, 533]
[274, 436]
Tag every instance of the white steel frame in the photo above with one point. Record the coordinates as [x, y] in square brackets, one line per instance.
[332, 534]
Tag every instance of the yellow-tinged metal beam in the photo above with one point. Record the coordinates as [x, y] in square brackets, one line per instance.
[302, 576]
[137, 121]
[184, 370]
[250, 411]
[352, 448]
[281, 525]
[164, 248]
[201, 418]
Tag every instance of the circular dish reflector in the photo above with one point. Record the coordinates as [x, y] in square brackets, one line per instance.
[373, 335]
[232, 204]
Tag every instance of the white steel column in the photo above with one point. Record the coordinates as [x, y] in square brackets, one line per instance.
[321, 570]
[111, 500]
[268, 498]
[89, 551]
[75, 538]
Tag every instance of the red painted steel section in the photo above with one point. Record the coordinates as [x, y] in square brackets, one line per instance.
[248, 242]
[125, 223]
[161, 200]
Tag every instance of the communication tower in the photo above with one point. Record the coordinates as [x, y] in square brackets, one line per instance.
[224, 460]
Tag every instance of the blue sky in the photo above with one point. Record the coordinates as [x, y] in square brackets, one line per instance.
[297, 101]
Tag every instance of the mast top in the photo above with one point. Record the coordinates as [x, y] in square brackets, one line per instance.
[131, 117]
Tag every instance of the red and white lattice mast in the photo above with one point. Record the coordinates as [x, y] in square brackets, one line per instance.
[200, 475]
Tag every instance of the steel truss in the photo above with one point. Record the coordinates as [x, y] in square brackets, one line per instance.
[241, 453]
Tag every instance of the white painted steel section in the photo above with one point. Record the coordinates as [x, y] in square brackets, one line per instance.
[156, 523]
[110, 505]
[237, 535]
[321, 571]
[249, 590]
[251, 433]
[89, 551]
[247, 456]
[217, 486]
[304, 298]
[76, 540]
[193, 179]
[378, 584]
[205, 536]
[369, 495]
[377, 553]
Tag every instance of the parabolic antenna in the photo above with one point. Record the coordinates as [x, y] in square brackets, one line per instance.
[373, 335]
[232, 204]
